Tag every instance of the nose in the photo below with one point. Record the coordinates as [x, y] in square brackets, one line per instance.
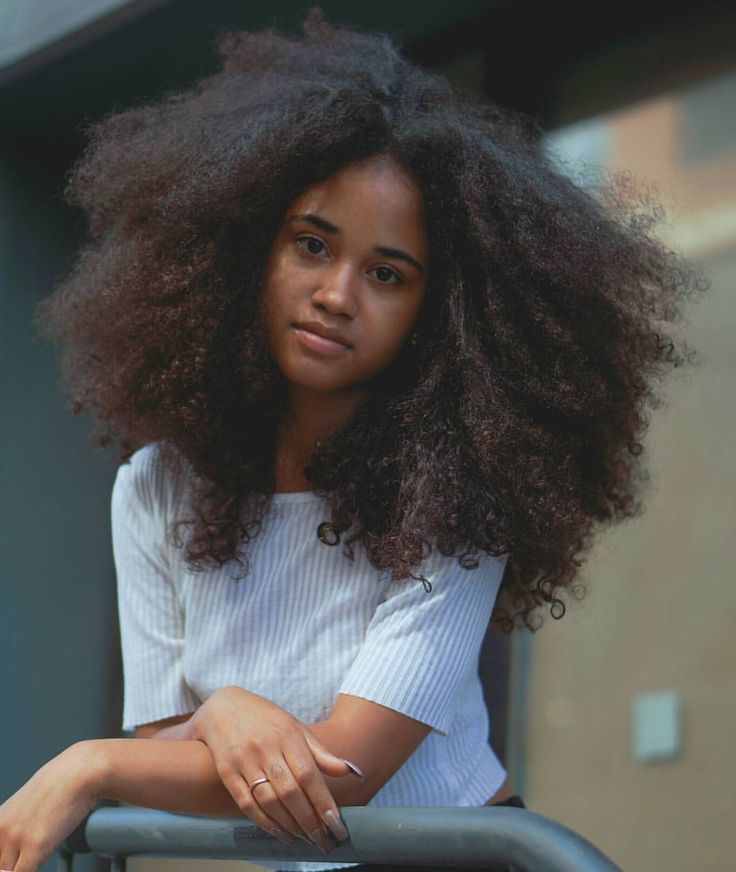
[336, 292]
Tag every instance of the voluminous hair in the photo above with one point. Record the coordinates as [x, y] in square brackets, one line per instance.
[514, 425]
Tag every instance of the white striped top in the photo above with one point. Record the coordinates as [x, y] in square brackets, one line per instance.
[306, 624]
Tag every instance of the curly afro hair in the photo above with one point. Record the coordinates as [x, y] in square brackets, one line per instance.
[513, 426]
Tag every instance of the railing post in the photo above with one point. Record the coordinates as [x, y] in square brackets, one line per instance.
[117, 864]
[64, 861]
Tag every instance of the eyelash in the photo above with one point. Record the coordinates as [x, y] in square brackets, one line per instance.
[301, 240]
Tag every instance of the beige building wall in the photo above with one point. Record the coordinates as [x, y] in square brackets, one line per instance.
[661, 607]
[661, 598]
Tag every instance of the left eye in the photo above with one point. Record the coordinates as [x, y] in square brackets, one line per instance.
[385, 275]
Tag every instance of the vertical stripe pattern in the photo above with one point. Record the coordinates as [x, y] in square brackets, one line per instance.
[306, 624]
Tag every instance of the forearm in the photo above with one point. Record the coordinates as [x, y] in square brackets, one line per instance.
[177, 776]
[179, 731]
[346, 791]
[346, 734]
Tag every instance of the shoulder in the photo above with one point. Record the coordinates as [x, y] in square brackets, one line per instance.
[153, 479]
[453, 583]
[471, 567]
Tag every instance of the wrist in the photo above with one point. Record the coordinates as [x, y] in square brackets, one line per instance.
[223, 700]
[182, 732]
[93, 762]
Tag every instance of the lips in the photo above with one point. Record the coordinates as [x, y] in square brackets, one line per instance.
[324, 331]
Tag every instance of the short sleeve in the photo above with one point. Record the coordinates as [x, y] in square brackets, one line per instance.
[422, 647]
[150, 612]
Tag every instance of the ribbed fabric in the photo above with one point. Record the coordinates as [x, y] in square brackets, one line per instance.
[306, 624]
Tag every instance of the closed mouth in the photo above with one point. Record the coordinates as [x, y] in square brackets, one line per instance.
[323, 332]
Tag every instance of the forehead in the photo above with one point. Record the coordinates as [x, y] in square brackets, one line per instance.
[375, 196]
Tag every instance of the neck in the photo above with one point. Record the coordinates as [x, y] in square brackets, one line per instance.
[310, 417]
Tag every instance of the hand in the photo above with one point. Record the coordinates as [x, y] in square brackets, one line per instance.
[38, 817]
[251, 738]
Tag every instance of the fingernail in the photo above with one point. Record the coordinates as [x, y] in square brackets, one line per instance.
[356, 770]
[334, 822]
[282, 836]
[321, 841]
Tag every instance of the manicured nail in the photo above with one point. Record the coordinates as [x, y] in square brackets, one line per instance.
[334, 822]
[321, 841]
[356, 770]
[282, 836]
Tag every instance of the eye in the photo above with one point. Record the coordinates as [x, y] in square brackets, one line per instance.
[386, 275]
[311, 244]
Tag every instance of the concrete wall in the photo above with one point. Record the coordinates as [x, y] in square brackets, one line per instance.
[58, 633]
[660, 610]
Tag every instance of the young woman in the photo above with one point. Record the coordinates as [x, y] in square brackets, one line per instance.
[379, 370]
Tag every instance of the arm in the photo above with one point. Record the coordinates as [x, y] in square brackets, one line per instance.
[174, 776]
[378, 739]
[178, 776]
[251, 737]
[418, 652]
[182, 775]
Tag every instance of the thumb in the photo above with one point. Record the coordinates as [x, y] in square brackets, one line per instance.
[329, 763]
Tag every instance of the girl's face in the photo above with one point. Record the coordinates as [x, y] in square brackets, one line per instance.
[346, 277]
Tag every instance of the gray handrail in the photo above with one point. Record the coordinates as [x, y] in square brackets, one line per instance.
[404, 836]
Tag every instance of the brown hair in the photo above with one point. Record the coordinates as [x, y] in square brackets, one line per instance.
[513, 426]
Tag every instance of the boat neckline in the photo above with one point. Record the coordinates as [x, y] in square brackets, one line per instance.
[295, 497]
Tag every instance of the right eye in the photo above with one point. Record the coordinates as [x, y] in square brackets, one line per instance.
[311, 244]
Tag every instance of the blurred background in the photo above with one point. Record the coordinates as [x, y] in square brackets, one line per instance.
[616, 721]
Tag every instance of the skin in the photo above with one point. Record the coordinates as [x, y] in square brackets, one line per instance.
[358, 264]
[351, 253]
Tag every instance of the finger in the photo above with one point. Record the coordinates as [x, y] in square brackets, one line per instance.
[288, 777]
[240, 791]
[319, 793]
[8, 859]
[313, 785]
[329, 763]
[238, 786]
[28, 861]
[267, 798]
[270, 804]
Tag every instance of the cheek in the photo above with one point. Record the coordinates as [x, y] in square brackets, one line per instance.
[274, 295]
[273, 321]
[392, 335]
[283, 286]
[399, 322]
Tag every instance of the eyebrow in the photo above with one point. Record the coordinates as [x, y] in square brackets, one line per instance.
[386, 251]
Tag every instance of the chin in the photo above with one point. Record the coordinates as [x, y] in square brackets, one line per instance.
[322, 388]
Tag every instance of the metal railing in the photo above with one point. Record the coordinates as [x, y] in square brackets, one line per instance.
[403, 836]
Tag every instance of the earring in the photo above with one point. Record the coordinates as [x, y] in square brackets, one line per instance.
[413, 339]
